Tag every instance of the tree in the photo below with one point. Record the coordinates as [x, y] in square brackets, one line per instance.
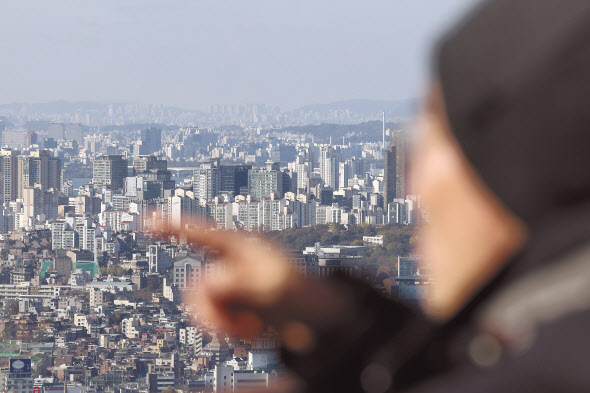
[143, 295]
[116, 318]
[9, 331]
[116, 271]
[13, 308]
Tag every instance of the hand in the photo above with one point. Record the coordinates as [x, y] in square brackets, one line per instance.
[250, 280]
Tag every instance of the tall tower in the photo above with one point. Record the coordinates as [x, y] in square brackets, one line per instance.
[399, 139]
[329, 165]
[9, 175]
[389, 176]
[396, 167]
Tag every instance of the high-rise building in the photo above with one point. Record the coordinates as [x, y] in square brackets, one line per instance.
[234, 178]
[220, 213]
[207, 180]
[389, 188]
[400, 141]
[148, 163]
[38, 167]
[74, 132]
[151, 179]
[109, 172]
[150, 141]
[249, 213]
[36, 202]
[18, 139]
[396, 168]
[350, 168]
[329, 165]
[289, 181]
[271, 210]
[9, 175]
[66, 131]
[184, 209]
[63, 235]
[303, 169]
[56, 131]
[262, 182]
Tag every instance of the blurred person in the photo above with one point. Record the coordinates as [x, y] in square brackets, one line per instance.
[501, 163]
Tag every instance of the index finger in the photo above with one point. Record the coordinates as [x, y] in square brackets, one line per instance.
[225, 243]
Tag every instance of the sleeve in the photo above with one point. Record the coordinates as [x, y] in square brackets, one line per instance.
[364, 347]
[557, 361]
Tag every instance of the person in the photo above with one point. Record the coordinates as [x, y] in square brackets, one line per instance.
[501, 165]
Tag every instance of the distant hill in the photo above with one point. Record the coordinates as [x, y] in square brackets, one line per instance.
[37, 115]
[371, 131]
[397, 108]
[53, 107]
[81, 106]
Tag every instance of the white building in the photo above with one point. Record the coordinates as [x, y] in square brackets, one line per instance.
[131, 327]
[170, 291]
[191, 337]
[330, 165]
[187, 273]
[63, 236]
[220, 213]
[119, 220]
[226, 379]
[259, 359]
[249, 213]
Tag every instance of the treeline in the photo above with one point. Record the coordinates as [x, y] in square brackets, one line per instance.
[398, 240]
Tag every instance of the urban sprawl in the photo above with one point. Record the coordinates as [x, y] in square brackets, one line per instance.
[91, 301]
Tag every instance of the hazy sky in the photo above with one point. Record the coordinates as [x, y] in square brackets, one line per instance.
[192, 53]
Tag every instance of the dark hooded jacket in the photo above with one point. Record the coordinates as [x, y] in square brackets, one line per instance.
[515, 78]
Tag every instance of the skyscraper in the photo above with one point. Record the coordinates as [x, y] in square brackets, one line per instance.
[303, 169]
[264, 181]
[109, 172]
[38, 167]
[150, 141]
[396, 167]
[389, 188]
[234, 178]
[207, 180]
[9, 175]
[400, 141]
[329, 165]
